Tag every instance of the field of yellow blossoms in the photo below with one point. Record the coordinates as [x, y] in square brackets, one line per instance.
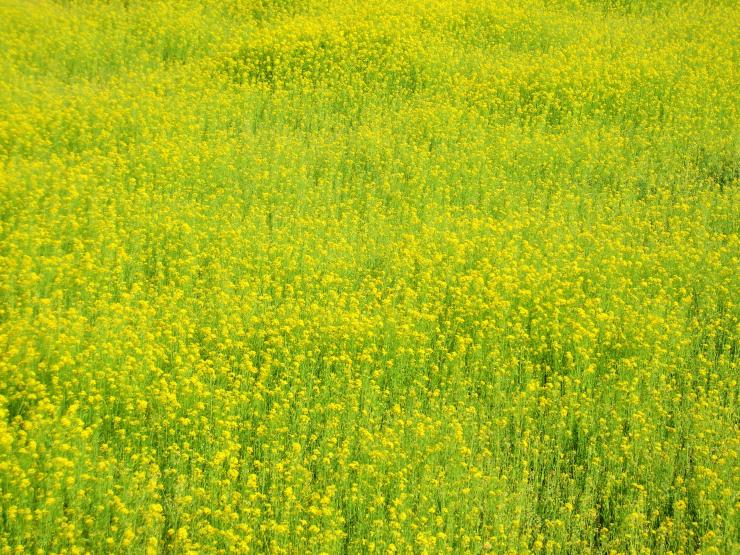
[388, 276]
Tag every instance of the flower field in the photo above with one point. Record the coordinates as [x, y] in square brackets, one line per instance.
[388, 276]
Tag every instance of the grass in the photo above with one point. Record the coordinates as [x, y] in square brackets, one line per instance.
[307, 276]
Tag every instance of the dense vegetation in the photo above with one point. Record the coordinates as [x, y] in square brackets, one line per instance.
[434, 276]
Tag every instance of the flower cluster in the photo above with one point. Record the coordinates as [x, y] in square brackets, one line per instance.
[306, 276]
